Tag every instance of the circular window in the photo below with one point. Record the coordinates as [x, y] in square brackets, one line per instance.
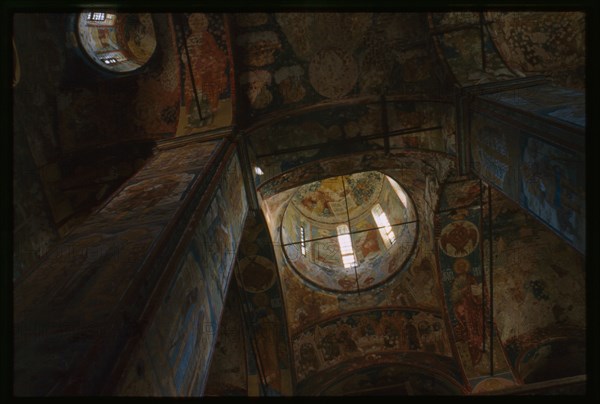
[349, 233]
[119, 43]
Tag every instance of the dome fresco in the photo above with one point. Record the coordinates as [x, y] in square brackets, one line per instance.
[332, 200]
[119, 43]
[349, 233]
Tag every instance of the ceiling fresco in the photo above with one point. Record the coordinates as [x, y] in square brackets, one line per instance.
[338, 199]
[259, 136]
[359, 334]
[293, 59]
[312, 136]
[499, 45]
[523, 39]
[466, 47]
[438, 165]
[537, 270]
[525, 341]
[308, 307]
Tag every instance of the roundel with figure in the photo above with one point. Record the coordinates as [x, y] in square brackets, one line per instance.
[459, 239]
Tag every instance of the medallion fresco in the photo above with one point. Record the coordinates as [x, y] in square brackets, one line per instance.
[491, 384]
[258, 273]
[459, 238]
[333, 72]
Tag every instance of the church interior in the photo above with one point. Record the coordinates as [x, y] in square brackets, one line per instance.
[299, 203]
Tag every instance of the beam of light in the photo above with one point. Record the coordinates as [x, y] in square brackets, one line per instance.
[346, 246]
[385, 230]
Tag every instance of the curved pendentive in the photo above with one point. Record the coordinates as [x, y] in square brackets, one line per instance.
[349, 233]
[119, 43]
[481, 47]
[465, 47]
[523, 40]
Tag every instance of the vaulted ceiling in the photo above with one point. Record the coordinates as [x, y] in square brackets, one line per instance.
[311, 96]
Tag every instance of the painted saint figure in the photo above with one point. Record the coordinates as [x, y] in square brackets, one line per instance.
[466, 300]
[208, 62]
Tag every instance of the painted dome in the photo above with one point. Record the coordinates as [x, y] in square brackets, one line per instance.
[119, 43]
[349, 233]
